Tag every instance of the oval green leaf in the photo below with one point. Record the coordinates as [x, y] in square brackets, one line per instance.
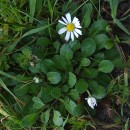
[29, 120]
[72, 79]
[54, 77]
[56, 92]
[81, 86]
[45, 116]
[57, 118]
[66, 51]
[88, 47]
[105, 66]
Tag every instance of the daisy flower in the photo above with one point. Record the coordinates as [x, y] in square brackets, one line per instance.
[71, 27]
[91, 102]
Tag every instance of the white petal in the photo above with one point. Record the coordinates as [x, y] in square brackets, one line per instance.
[78, 26]
[64, 19]
[75, 20]
[72, 36]
[86, 98]
[61, 22]
[62, 30]
[67, 37]
[78, 31]
[68, 17]
[75, 33]
[91, 102]
[91, 106]
[78, 23]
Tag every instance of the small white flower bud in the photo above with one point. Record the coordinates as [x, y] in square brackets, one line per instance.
[36, 80]
[31, 64]
[91, 102]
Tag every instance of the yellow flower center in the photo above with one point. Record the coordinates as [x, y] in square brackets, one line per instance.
[70, 27]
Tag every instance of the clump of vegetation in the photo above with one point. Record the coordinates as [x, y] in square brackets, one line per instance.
[69, 74]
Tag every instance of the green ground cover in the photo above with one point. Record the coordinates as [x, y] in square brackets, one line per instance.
[53, 79]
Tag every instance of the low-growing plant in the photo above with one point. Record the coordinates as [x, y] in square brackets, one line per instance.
[47, 78]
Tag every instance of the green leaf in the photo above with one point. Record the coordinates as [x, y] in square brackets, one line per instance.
[105, 66]
[29, 120]
[97, 27]
[39, 6]
[36, 30]
[32, 6]
[127, 124]
[56, 46]
[60, 61]
[90, 73]
[27, 52]
[109, 44]
[101, 40]
[38, 104]
[74, 94]
[54, 77]
[114, 5]
[45, 116]
[36, 68]
[81, 86]
[121, 26]
[45, 94]
[118, 62]
[75, 45]
[50, 8]
[23, 58]
[66, 51]
[111, 54]
[56, 92]
[65, 88]
[88, 47]
[92, 84]
[72, 79]
[86, 14]
[57, 118]
[70, 106]
[106, 79]
[21, 90]
[48, 65]
[8, 90]
[98, 92]
[85, 62]
[43, 42]
[79, 110]
[4, 63]
[99, 56]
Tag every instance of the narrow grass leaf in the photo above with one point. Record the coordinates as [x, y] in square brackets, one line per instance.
[50, 8]
[36, 30]
[9, 76]
[127, 124]
[32, 5]
[4, 86]
[121, 26]
[114, 5]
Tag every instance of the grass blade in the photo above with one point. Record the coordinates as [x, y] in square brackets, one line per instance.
[32, 5]
[36, 30]
[9, 76]
[4, 86]
[50, 8]
[121, 26]
[127, 124]
[114, 5]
